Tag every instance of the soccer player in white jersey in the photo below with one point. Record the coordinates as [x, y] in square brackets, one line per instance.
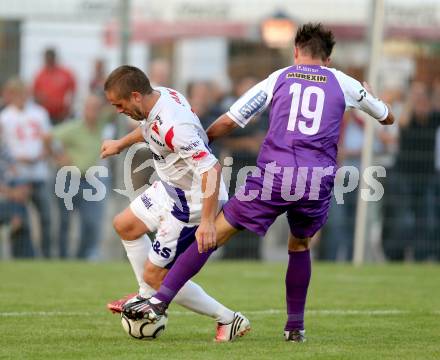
[296, 167]
[178, 205]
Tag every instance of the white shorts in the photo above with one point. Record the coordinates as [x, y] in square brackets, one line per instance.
[153, 207]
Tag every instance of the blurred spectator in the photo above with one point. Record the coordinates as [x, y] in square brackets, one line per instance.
[23, 125]
[77, 143]
[13, 211]
[338, 233]
[337, 238]
[96, 84]
[412, 183]
[54, 88]
[200, 96]
[243, 145]
[5, 98]
[159, 72]
[389, 135]
[436, 96]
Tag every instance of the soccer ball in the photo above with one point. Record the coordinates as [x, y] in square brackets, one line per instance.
[143, 329]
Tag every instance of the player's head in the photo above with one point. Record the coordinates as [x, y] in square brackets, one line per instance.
[315, 42]
[126, 88]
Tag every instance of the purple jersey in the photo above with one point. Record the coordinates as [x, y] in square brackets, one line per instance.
[300, 147]
[307, 105]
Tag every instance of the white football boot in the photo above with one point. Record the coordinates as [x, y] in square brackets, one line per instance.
[237, 328]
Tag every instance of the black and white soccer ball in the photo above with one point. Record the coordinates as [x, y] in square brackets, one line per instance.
[143, 329]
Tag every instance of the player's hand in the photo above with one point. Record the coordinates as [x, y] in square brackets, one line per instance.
[206, 236]
[110, 147]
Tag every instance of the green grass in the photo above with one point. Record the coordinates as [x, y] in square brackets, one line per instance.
[79, 327]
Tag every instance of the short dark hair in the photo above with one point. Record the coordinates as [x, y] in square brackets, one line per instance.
[50, 56]
[315, 40]
[50, 52]
[125, 79]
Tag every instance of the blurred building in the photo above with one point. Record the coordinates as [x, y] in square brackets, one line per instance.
[209, 40]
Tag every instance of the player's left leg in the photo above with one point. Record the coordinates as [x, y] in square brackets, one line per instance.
[305, 219]
[297, 282]
[133, 233]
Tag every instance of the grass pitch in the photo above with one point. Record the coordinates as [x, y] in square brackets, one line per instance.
[56, 310]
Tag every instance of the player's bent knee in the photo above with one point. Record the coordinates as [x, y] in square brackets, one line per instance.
[224, 230]
[128, 226]
[118, 224]
[124, 229]
[299, 244]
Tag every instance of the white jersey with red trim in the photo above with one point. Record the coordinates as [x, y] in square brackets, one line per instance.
[181, 153]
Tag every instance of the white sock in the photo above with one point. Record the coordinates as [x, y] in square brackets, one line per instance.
[194, 298]
[191, 296]
[137, 253]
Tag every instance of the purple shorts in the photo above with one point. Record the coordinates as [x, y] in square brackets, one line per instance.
[305, 216]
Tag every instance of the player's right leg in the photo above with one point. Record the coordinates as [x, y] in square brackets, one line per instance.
[133, 236]
[132, 225]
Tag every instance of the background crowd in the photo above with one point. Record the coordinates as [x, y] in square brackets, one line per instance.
[40, 132]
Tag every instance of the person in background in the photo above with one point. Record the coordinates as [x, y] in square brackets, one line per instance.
[435, 100]
[337, 238]
[96, 84]
[411, 182]
[200, 96]
[243, 145]
[5, 98]
[23, 126]
[77, 143]
[13, 211]
[54, 88]
[159, 72]
[435, 97]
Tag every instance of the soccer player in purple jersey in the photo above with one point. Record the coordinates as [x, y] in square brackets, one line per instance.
[307, 103]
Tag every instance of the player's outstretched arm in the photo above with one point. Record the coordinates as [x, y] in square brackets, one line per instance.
[220, 127]
[113, 147]
[243, 110]
[206, 233]
[389, 120]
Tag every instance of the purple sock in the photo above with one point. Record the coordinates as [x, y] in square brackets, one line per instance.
[298, 275]
[186, 266]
